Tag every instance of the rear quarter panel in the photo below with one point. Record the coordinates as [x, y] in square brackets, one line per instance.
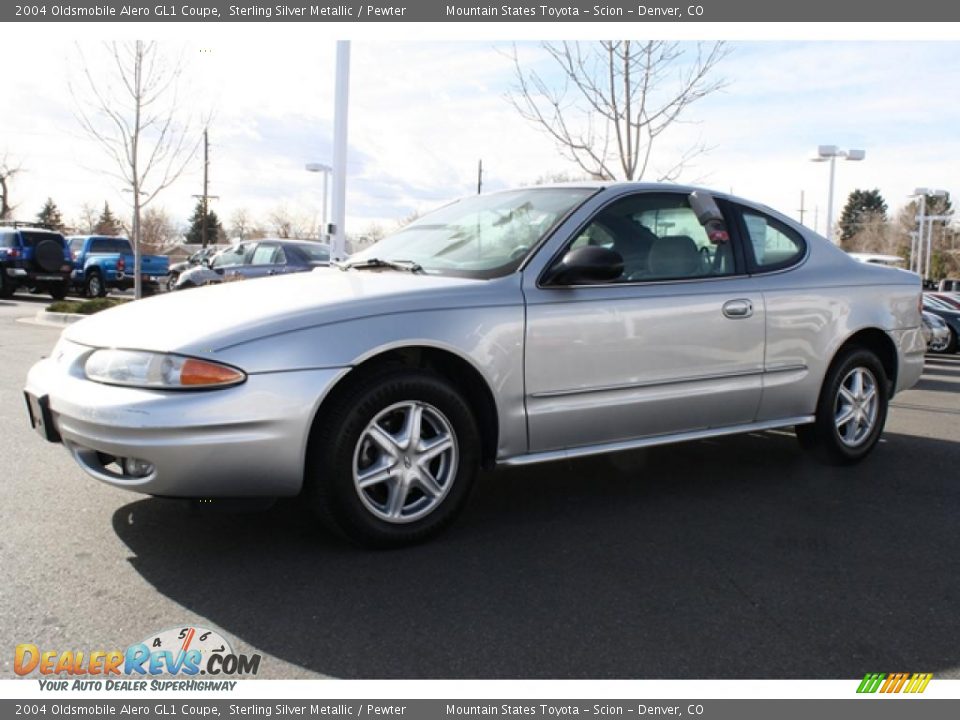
[812, 310]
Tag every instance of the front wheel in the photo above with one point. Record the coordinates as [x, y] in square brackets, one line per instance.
[392, 461]
[946, 346]
[172, 281]
[851, 411]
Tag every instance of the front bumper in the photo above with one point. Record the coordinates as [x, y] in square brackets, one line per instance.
[245, 441]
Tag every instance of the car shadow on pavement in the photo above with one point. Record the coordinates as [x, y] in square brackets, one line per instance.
[732, 558]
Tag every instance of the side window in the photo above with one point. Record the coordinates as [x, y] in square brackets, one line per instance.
[264, 254]
[8, 240]
[774, 245]
[279, 257]
[659, 238]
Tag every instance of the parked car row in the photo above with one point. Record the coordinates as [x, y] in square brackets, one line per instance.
[942, 312]
[39, 259]
[261, 258]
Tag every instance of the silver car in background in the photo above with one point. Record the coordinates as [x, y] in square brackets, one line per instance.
[506, 329]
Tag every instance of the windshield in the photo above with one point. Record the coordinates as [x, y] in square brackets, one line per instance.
[482, 236]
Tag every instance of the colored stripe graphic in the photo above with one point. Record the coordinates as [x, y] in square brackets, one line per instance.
[913, 683]
[871, 681]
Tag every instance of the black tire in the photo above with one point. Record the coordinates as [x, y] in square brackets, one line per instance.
[48, 254]
[172, 281]
[951, 346]
[93, 285]
[823, 437]
[59, 292]
[338, 442]
[7, 287]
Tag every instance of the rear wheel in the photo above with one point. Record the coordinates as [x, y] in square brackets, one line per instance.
[392, 461]
[851, 411]
[6, 286]
[93, 285]
[59, 291]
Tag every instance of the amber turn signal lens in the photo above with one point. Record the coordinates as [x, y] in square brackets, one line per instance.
[199, 372]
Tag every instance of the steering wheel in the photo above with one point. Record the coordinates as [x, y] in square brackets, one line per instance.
[519, 252]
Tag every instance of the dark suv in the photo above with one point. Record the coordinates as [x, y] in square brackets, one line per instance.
[34, 257]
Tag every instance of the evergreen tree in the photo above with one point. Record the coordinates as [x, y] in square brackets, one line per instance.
[50, 216]
[195, 233]
[863, 206]
[107, 224]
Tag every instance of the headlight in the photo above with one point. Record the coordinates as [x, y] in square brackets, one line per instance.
[137, 368]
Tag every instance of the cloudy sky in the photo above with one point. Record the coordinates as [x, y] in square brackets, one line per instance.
[422, 114]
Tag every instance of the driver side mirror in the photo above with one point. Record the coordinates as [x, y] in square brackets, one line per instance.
[586, 266]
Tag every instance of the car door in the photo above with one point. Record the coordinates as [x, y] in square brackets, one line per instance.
[263, 260]
[674, 344]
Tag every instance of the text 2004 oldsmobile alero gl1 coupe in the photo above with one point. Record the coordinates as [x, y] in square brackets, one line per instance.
[512, 328]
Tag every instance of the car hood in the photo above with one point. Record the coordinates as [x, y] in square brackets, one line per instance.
[207, 319]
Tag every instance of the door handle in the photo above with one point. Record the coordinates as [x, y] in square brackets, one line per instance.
[736, 309]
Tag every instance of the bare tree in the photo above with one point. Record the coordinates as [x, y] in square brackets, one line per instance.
[135, 118]
[614, 100]
[89, 216]
[157, 230]
[8, 170]
[287, 224]
[241, 225]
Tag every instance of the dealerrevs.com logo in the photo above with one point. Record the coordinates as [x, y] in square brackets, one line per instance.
[184, 653]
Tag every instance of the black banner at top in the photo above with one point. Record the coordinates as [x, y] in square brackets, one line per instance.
[826, 11]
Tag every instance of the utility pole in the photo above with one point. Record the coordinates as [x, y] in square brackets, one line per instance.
[206, 197]
[338, 209]
[479, 176]
[801, 207]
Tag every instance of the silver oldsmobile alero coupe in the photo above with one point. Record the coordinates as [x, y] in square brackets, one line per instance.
[512, 328]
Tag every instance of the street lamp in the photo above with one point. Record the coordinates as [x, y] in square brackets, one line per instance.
[831, 153]
[326, 170]
[924, 225]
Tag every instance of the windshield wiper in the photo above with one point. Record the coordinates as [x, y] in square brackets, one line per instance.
[405, 265]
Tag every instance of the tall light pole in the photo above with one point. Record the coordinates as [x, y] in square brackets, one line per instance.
[831, 153]
[342, 97]
[326, 170]
[925, 225]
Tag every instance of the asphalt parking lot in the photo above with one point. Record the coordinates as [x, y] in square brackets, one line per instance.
[732, 558]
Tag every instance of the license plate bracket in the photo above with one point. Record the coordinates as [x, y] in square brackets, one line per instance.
[41, 419]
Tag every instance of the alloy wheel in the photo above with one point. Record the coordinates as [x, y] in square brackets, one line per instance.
[405, 462]
[856, 407]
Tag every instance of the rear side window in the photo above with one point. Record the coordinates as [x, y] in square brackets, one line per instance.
[8, 240]
[109, 246]
[264, 255]
[774, 245]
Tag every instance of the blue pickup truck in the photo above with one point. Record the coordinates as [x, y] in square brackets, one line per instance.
[102, 262]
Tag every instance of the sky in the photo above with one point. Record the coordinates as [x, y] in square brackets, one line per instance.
[422, 114]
